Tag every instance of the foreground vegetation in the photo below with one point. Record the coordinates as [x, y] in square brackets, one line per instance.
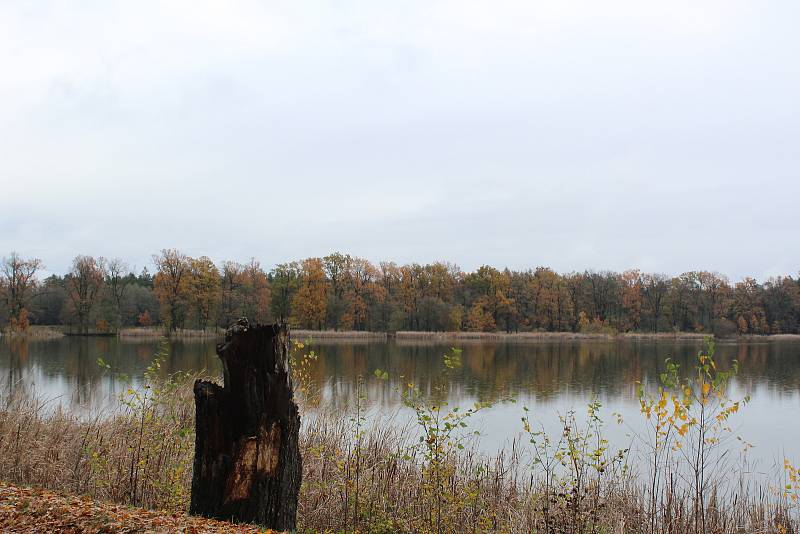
[426, 475]
[341, 292]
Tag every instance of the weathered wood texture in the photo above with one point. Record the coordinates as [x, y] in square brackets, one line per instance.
[247, 464]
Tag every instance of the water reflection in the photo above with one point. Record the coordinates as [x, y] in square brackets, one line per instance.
[544, 371]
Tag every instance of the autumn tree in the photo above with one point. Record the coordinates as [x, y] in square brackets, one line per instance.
[479, 318]
[245, 292]
[491, 290]
[309, 303]
[284, 279]
[361, 292]
[337, 269]
[172, 285]
[256, 293]
[782, 304]
[748, 309]
[117, 281]
[84, 285]
[714, 292]
[542, 295]
[436, 284]
[410, 293]
[521, 288]
[574, 284]
[654, 291]
[51, 301]
[204, 290]
[231, 283]
[602, 288]
[631, 298]
[18, 282]
[505, 305]
[389, 313]
[144, 319]
[683, 305]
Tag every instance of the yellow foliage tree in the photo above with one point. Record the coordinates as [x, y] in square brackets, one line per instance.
[204, 290]
[309, 303]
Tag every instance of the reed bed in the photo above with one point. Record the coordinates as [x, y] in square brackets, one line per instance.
[36, 332]
[536, 337]
[356, 477]
[407, 336]
[157, 332]
[354, 335]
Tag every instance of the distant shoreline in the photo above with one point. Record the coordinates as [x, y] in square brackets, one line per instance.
[529, 337]
[54, 332]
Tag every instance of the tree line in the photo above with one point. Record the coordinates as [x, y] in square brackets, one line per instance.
[344, 292]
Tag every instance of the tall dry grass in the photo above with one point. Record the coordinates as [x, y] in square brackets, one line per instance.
[138, 453]
[158, 332]
[348, 335]
[541, 336]
[35, 332]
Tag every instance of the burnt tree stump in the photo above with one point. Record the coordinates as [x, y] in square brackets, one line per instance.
[247, 465]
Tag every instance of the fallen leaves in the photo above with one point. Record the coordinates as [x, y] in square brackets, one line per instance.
[26, 510]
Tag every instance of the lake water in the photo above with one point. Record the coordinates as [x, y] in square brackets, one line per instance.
[548, 377]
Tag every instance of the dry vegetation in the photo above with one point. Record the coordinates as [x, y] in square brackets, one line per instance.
[155, 332]
[540, 336]
[24, 510]
[338, 334]
[381, 477]
[36, 332]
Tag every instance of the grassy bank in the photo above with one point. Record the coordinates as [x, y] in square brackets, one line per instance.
[382, 477]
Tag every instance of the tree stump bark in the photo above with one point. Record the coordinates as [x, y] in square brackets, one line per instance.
[247, 465]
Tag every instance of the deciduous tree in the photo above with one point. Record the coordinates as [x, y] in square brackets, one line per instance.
[257, 293]
[654, 291]
[172, 284]
[204, 290]
[18, 282]
[117, 280]
[284, 280]
[84, 284]
[309, 303]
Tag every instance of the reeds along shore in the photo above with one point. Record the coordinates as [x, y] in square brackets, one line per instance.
[541, 336]
[155, 332]
[378, 477]
[35, 332]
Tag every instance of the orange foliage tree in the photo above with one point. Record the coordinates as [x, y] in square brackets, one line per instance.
[172, 284]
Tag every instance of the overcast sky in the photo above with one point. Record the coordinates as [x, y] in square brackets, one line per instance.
[601, 135]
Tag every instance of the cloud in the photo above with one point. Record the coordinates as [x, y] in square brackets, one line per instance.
[572, 134]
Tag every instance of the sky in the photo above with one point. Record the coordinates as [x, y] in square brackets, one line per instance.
[571, 134]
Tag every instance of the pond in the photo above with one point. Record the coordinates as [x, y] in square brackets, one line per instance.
[550, 378]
